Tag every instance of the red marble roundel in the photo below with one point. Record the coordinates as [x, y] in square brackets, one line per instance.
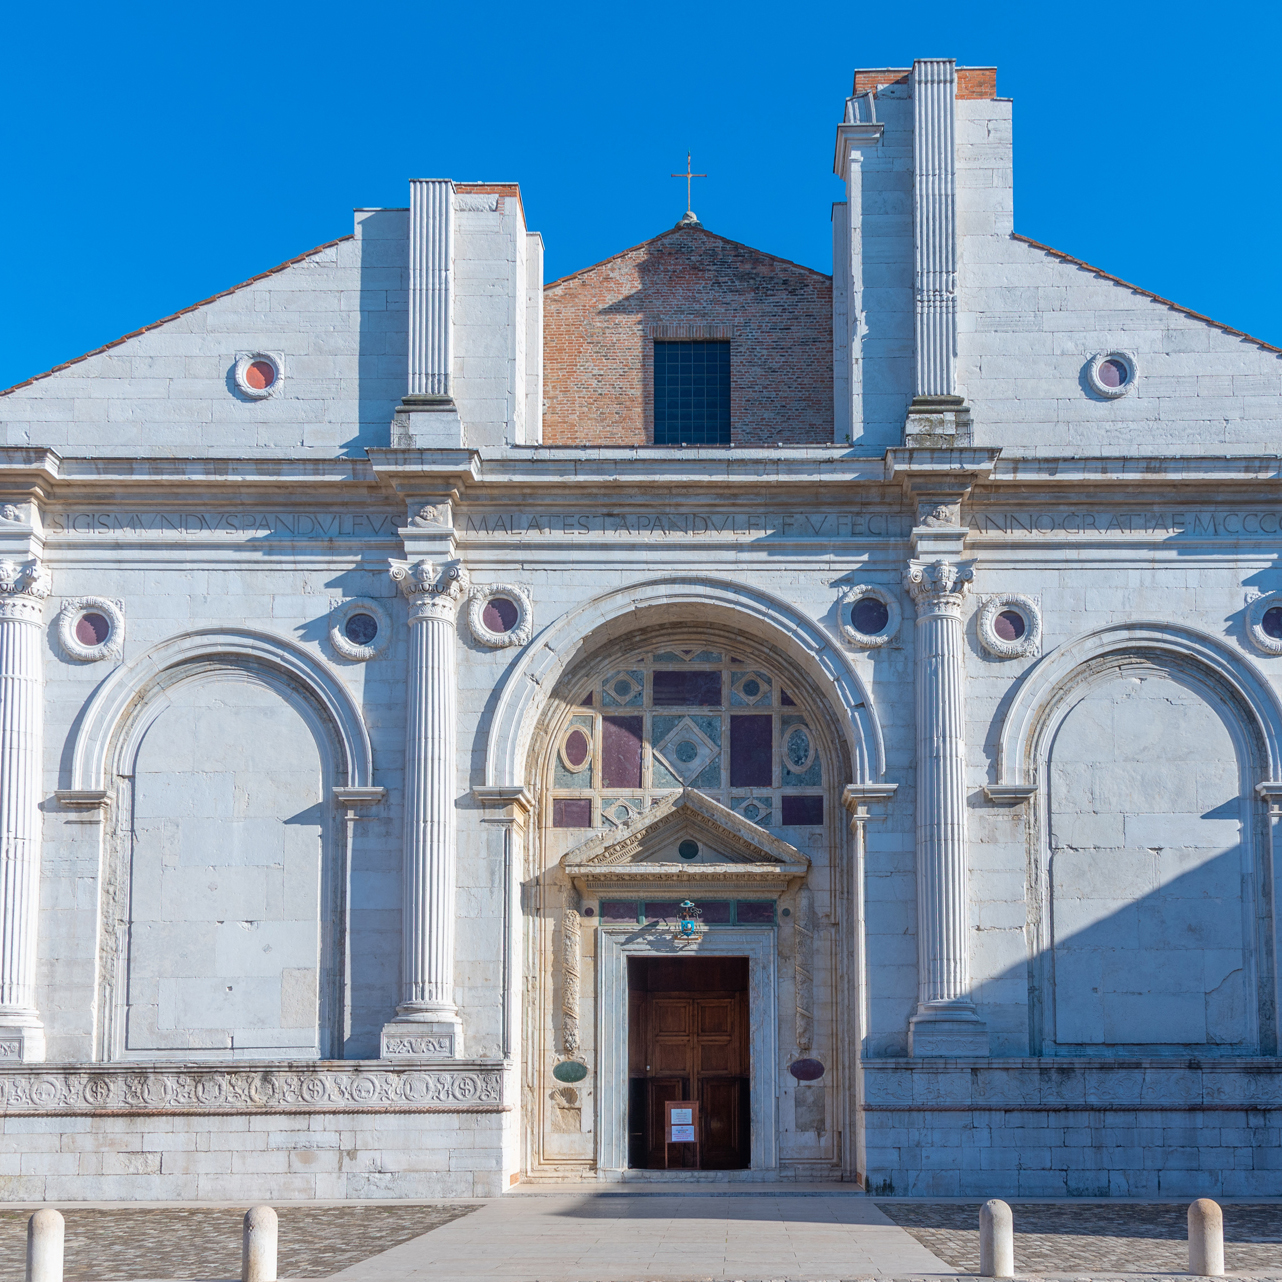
[260, 375]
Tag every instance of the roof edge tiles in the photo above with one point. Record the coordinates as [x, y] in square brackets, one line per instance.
[1146, 293]
[164, 320]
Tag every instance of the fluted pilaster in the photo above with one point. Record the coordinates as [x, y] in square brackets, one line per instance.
[427, 1021]
[23, 589]
[431, 293]
[946, 1022]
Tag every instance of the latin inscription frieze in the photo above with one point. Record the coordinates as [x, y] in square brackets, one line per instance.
[256, 523]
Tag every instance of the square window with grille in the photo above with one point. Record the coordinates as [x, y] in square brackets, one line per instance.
[691, 393]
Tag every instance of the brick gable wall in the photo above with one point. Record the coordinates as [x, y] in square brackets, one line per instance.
[600, 325]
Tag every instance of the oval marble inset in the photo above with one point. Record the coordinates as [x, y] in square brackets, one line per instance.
[577, 748]
[570, 1070]
[806, 1070]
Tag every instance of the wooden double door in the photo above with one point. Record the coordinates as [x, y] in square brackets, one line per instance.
[689, 1042]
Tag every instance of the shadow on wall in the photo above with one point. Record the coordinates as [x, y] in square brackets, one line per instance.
[1149, 909]
[383, 351]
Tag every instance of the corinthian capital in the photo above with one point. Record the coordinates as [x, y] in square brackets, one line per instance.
[935, 583]
[432, 590]
[23, 586]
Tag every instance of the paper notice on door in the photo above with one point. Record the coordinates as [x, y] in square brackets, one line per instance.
[682, 1134]
[682, 1116]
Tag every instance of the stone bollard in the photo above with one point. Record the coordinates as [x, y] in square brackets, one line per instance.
[1206, 1238]
[258, 1246]
[996, 1240]
[46, 1231]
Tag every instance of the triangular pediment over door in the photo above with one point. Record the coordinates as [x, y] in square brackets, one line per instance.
[687, 842]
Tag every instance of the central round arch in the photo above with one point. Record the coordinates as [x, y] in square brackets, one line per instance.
[607, 618]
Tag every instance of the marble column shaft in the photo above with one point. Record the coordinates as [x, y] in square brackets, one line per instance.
[943, 965]
[23, 589]
[430, 855]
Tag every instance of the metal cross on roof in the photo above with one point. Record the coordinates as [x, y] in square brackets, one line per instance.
[688, 176]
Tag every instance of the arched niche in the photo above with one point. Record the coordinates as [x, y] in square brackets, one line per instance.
[216, 756]
[1141, 748]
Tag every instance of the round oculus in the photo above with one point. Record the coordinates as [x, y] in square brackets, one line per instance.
[500, 614]
[257, 374]
[1009, 626]
[868, 615]
[359, 629]
[1264, 622]
[1111, 374]
[91, 628]
[688, 849]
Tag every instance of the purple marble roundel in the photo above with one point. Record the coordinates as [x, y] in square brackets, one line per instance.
[806, 1070]
[500, 614]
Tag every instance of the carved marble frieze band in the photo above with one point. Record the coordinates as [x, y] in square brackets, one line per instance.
[137, 1090]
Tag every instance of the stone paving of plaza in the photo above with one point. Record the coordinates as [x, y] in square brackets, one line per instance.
[759, 1235]
[1095, 1237]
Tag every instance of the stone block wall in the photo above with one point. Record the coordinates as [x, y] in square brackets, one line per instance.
[1073, 1128]
[599, 329]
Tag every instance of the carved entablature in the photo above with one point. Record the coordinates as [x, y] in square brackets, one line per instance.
[125, 1089]
[23, 589]
[686, 842]
[433, 590]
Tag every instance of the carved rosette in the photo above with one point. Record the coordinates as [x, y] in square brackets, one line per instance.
[571, 947]
[938, 587]
[23, 589]
[432, 590]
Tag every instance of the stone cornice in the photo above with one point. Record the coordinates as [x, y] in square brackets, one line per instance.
[152, 1089]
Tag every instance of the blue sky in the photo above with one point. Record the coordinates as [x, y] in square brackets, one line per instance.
[156, 154]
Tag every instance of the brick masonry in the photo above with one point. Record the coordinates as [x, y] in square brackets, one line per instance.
[599, 336]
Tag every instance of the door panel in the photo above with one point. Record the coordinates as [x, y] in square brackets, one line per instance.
[693, 1042]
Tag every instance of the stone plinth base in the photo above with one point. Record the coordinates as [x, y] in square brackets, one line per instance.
[937, 422]
[948, 1033]
[22, 1042]
[427, 422]
[413, 1039]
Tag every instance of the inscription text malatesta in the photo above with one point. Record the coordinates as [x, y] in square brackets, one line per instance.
[818, 526]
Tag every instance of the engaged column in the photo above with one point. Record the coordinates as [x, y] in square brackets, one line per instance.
[23, 589]
[427, 1021]
[946, 1021]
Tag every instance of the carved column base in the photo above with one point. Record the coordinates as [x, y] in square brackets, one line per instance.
[949, 1029]
[440, 1037]
[22, 1039]
[937, 422]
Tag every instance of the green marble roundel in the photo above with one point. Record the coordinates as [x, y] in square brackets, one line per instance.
[570, 1070]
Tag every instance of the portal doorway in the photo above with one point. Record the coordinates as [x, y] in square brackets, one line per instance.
[688, 1025]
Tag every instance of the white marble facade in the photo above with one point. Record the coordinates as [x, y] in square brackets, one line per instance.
[310, 654]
